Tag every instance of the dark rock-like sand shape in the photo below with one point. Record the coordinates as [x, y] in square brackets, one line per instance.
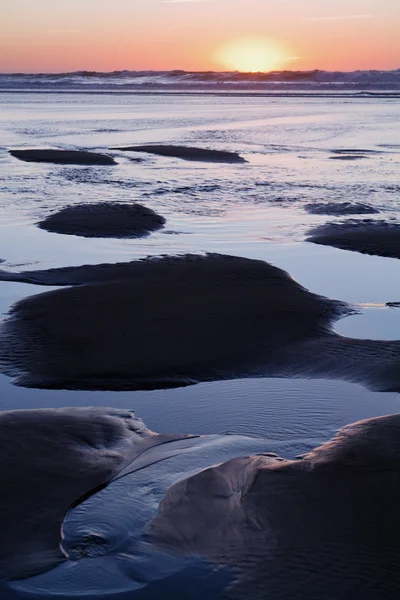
[355, 151]
[340, 208]
[180, 320]
[326, 526]
[51, 460]
[83, 274]
[187, 153]
[106, 219]
[63, 157]
[347, 157]
[366, 236]
[169, 321]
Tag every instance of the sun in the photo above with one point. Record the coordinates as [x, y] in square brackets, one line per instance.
[251, 55]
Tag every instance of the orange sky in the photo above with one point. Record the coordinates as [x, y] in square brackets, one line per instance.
[105, 35]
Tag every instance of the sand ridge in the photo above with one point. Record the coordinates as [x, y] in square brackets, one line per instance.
[63, 157]
[104, 219]
[380, 238]
[186, 153]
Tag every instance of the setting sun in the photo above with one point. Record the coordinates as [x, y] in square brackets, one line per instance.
[251, 55]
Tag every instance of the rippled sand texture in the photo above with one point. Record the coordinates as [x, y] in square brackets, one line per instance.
[366, 236]
[218, 316]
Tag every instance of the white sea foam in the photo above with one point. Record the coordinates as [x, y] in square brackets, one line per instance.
[276, 81]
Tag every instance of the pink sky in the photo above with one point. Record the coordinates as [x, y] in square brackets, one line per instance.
[46, 35]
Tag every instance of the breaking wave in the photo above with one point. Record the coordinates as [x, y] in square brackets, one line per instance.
[276, 81]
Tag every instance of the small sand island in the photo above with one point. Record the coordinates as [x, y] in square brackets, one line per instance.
[105, 219]
[340, 208]
[380, 238]
[63, 157]
[175, 321]
[186, 153]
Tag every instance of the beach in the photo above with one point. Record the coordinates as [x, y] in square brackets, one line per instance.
[257, 332]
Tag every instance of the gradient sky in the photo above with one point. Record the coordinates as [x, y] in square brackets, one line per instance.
[106, 35]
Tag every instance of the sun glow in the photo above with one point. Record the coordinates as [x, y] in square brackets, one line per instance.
[252, 55]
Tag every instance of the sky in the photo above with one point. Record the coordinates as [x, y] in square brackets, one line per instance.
[198, 35]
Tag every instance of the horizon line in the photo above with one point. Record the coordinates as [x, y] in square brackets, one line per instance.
[184, 71]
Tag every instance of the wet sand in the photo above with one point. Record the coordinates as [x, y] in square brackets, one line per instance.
[53, 458]
[187, 153]
[104, 219]
[63, 157]
[369, 237]
[329, 518]
[340, 208]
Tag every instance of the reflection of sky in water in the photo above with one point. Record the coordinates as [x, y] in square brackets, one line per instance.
[293, 415]
[372, 324]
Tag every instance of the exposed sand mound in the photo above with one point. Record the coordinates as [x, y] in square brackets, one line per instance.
[179, 320]
[63, 157]
[82, 274]
[366, 236]
[347, 157]
[326, 526]
[355, 151]
[340, 208]
[106, 219]
[51, 460]
[168, 321]
[187, 153]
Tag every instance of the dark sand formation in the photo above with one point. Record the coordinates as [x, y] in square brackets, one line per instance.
[347, 157]
[326, 526]
[173, 321]
[340, 208]
[106, 219]
[63, 157]
[368, 237]
[53, 459]
[187, 153]
[355, 151]
[83, 274]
